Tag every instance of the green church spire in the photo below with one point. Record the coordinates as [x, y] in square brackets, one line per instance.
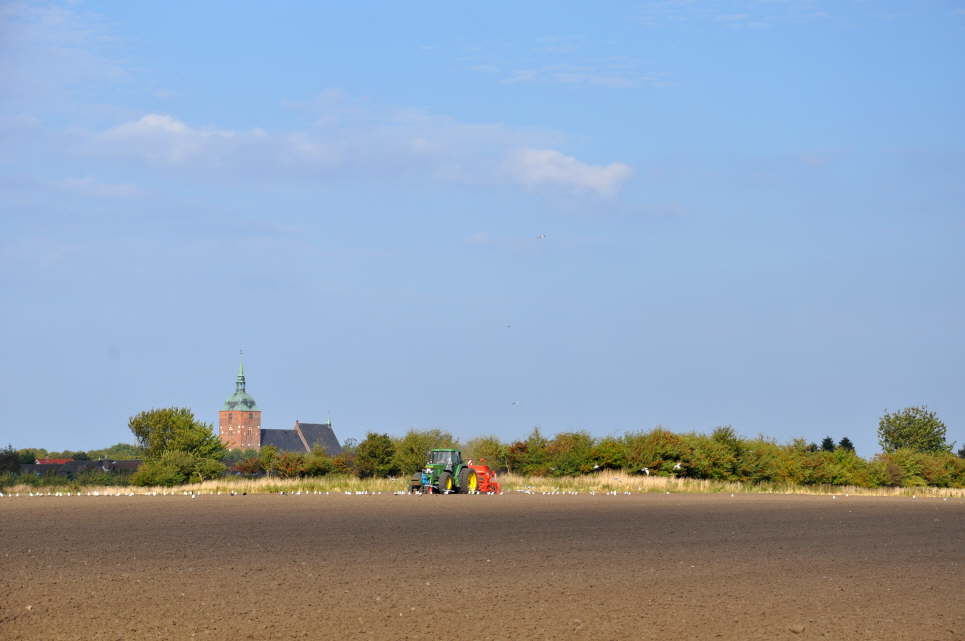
[240, 381]
[240, 400]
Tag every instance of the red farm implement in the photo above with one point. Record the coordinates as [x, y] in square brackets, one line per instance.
[485, 478]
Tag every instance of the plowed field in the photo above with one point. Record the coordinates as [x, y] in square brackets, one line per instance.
[482, 567]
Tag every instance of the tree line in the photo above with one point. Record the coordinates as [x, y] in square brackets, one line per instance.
[177, 448]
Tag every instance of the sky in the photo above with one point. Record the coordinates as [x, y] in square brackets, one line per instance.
[483, 217]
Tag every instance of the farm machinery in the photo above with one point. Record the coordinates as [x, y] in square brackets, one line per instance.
[445, 473]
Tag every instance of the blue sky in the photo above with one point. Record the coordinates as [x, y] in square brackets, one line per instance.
[483, 218]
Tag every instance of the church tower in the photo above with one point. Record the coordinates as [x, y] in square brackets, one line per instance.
[240, 419]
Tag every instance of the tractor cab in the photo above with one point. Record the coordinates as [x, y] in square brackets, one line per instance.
[448, 459]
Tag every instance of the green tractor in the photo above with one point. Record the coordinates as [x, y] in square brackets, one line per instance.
[445, 472]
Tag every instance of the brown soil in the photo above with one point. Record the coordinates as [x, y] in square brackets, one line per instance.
[482, 567]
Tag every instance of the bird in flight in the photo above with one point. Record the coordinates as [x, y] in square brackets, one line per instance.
[541, 236]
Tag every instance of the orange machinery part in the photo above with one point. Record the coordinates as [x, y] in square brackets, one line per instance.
[485, 478]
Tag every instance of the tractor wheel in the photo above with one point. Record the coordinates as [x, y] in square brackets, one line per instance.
[467, 481]
[445, 482]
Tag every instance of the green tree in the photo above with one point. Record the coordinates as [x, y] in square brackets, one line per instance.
[915, 428]
[174, 429]
[570, 453]
[9, 460]
[609, 453]
[846, 444]
[30, 455]
[117, 452]
[827, 445]
[236, 455]
[375, 456]
[269, 458]
[410, 450]
[488, 450]
[78, 455]
[529, 456]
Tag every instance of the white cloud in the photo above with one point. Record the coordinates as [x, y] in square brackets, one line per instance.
[163, 139]
[352, 141]
[550, 167]
[87, 186]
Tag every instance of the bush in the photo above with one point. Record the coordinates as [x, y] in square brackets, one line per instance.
[250, 466]
[711, 458]
[375, 456]
[658, 450]
[318, 463]
[609, 453]
[570, 453]
[7, 479]
[157, 473]
[176, 468]
[344, 463]
[290, 465]
[759, 462]
[233, 457]
[529, 457]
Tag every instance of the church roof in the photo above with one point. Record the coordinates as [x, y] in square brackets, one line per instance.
[284, 440]
[240, 401]
[321, 435]
[316, 435]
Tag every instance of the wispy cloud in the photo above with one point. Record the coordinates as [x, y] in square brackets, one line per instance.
[550, 167]
[163, 139]
[361, 142]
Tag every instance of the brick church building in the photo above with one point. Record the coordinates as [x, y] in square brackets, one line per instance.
[240, 427]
